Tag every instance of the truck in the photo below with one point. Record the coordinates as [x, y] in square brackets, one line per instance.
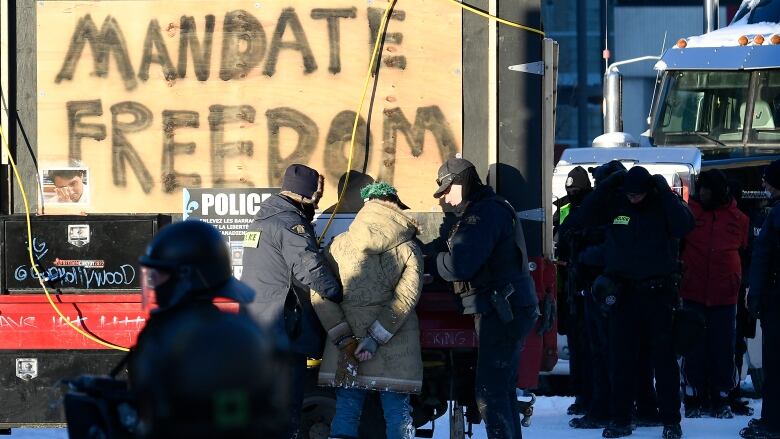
[716, 106]
[123, 116]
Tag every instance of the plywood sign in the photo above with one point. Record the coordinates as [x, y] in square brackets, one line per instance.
[150, 97]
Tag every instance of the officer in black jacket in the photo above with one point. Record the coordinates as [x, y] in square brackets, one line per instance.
[487, 263]
[764, 303]
[281, 263]
[573, 283]
[641, 257]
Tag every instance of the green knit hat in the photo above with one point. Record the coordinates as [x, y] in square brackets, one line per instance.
[381, 190]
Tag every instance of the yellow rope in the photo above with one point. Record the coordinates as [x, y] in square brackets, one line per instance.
[32, 259]
[371, 64]
[498, 19]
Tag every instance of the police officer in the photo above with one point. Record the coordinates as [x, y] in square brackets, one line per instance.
[199, 372]
[282, 262]
[641, 258]
[490, 272]
[588, 263]
[763, 302]
[571, 322]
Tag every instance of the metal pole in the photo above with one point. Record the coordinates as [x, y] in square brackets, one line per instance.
[613, 105]
[582, 74]
[711, 15]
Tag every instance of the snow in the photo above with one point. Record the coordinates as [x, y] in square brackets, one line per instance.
[549, 422]
[729, 35]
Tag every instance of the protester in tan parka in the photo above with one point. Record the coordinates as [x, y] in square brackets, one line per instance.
[380, 265]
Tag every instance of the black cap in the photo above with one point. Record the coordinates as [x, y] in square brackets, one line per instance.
[578, 179]
[300, 179]
[448, 173]
[772, 174]
[638, 181]
[600, 173]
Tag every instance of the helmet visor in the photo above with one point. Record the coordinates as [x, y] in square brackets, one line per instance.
[151, 279]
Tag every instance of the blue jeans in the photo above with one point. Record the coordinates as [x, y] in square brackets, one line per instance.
[349, 405]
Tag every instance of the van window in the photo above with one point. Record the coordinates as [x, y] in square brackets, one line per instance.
[702, 108]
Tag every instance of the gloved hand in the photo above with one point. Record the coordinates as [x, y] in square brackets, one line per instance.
[347, 368]
[549, 311]
[366, 348]
[614, 180]
[753, 305]
[660, 183]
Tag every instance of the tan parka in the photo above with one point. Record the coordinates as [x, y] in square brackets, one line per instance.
[381, 267]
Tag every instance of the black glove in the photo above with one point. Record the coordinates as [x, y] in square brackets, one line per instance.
[549, 311]
[367, 344]
[614, 180]
[754, 305]
[660, 184]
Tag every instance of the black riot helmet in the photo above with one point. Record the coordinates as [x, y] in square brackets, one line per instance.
[187, 261]
[205, 373]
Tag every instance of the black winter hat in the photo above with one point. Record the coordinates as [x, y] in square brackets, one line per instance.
[600, 173]
[638, 181]
[772, 174]
[448, 174]
[578, 179]
[300, 179]
[713, 179]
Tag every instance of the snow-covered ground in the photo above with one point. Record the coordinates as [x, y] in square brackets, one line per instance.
[549, 422]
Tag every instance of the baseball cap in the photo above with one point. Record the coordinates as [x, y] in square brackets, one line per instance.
[448, 172]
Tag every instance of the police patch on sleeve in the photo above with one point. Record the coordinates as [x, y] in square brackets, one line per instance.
[299, 229]
[473, 219]
[252, 239]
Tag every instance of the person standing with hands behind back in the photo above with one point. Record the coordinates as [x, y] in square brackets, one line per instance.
[380, 265]
[489, 269]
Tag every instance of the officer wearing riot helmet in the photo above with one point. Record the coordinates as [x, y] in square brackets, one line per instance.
[491, 279]
[282, 262]
[763, 302]
[199, 372]
[641, 258]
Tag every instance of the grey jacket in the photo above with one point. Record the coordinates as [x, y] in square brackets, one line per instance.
[281, 256]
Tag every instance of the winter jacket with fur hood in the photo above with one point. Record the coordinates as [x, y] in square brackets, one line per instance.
[380, 264]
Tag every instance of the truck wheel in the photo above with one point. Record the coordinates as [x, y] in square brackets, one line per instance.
[319, 407]
[457, 422]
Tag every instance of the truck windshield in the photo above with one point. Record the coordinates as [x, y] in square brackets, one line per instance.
[765, 122]
[702, 106]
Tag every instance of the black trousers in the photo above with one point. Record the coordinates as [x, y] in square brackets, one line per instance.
[642, 319]
[579, 353]
[297, 388]
[498, 357]
[770, 329]
[597, 330]
[708, 369]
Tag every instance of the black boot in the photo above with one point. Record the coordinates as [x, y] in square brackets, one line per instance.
[740, 407]
[576, 410]
[615, 430]
[721, 408]
[672, 431]
[693, 407]
[588, 422]
[759, 431]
